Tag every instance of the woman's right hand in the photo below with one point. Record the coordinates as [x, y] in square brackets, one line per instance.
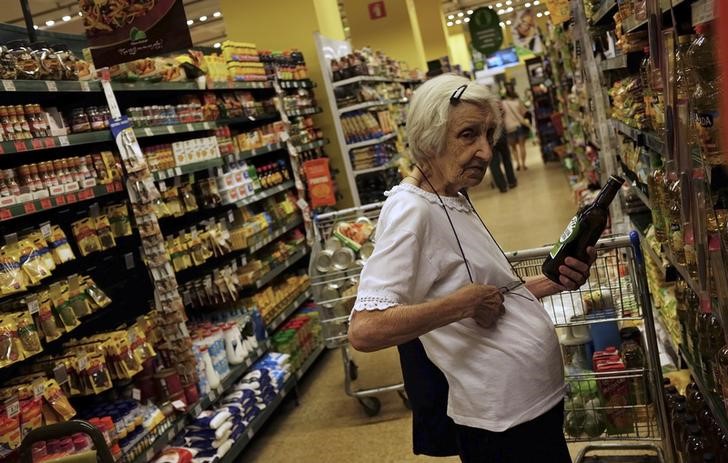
[483, 303]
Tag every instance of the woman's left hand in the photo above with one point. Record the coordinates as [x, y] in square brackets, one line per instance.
[575, 273]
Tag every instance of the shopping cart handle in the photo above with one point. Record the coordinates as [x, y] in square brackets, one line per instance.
[634, 238]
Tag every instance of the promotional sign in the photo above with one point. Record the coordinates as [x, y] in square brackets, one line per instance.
[320, 184]
[377, 10]
[525, 32]
[133, 29]
[485, 30]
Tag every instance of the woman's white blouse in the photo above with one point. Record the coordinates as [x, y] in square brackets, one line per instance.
[498, 377]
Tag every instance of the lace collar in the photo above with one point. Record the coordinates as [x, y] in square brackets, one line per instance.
[458, 203]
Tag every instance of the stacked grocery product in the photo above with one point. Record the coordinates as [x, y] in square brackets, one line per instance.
[285, 65]
[373, 156]
[363, 125]
[299, 336]
[243, 61]
[40, 61]
[365, 62]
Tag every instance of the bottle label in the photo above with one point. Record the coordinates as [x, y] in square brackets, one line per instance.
[569, 233]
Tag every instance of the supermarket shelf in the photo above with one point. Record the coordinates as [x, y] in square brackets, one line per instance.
[267, 117]
[606, 7]
[35, 144]
[357, 79]
[289, 310]
[682, 270]
[611, 64]
[266, 193]
[52, 202]
[641, 195]
[713, 402]
[258, 422]
[155, 131]
[40, 86]
[650, 250]
[145, 86]
[312, 145]
[292, 259]
[649, 139]
[362, 144]
[160, 443]
[304, 112]
[627, 130]
[631, 24]
[275, 234]
[251, 85]
[188, 169]
[385, 166]
[247, 154]
[654, 142]
[302, 83]
[365, 105]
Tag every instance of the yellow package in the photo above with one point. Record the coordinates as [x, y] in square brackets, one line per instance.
[10, 351]
[112, 165]
[99, 299]
[27, 334]
[103, 230]
[58, 401]
[160, 207]
[44, 251]
[31, 262]
[188, 198]
[97, 374]
[77, 297]
[87, 240]
[12, 278]
[47, 321]
[172, 201]
[118, 215]
[62, 307]
[58, 243]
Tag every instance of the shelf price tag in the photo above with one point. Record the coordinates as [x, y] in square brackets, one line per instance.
[8, 85]
[20, 145]
[250, 433]
[148, 132]
[49, 142]
[170, 129]
[63, 139]
[29, 207]
[190, 127]
[45, 229]
[84, 86]
[51, 85]
[12, 408]
[33, 306]
[36, 143]
[136, 394]
[38, 388]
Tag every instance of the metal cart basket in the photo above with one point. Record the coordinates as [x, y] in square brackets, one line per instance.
[334, 282]
[621, 401]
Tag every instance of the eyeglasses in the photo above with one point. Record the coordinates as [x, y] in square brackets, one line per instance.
[457, 94]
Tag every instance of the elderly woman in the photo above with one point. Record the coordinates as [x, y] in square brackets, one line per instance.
[438, 275]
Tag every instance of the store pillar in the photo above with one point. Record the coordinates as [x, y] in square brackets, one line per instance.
[255, 22]
[388, 25]
[431, 22]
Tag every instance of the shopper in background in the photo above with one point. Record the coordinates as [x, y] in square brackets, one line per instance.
[440, 288]
[502, 156]
[516, 125]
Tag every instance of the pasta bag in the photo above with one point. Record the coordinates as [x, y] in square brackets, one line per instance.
[10, 351]
[58, 401]
[48, 324]
[62, 307]
[98, 374]
[60, 249]
[103, 230]
[32, 263]
[44, 251]
[27, 334]
[118, 215]
[12, 278]
[87, 240]
[77, 297]
[99, 298]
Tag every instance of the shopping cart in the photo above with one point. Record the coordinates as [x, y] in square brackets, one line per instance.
[624, 405]
[334, 283]
[99, 454]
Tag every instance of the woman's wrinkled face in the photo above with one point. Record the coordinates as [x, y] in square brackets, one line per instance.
[470, 131]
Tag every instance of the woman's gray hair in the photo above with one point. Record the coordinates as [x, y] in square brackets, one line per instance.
[429, 109]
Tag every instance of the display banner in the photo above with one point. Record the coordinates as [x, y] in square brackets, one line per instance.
[119, 31]
[485, 31]
[525, 32]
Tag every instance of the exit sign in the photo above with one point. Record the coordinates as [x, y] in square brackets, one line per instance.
[377, 10]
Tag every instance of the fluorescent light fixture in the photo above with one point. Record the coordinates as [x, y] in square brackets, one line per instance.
[203, 18]
[470, 12]
[35, 26]
[509, 2]
[546, 13]
[539, 14]
[457, 21]
[498, 5]
[466, 20]
[536, 2]
[451, 16]
[66, 18]
[80, 13]
[508, 23]
[50, 22]
[461, 14]
[190, 22]
[216, 14]
[450, 23]
[216, 45]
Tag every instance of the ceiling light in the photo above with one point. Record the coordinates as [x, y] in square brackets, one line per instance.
[546, 13]
[509, 2]
[501, 11]
[508, 23]
[80, 13]
[450, 23]
[539, 14]
[457, 21]
[466, 20]
[490, 7]
[536, 2]
[35, 26]
[509, 10]
[498, 5]
[216, 14]
[527, 5]
[190, 22]
[203, 18]
[470, 12]
[451, 16]
[216, 45]
[50, 22]
[66, 18]
[461, 14]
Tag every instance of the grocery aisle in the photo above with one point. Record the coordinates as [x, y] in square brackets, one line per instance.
[328, 426]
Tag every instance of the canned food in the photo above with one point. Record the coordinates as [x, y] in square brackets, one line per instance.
[324, 261]
[363, 219]
[343, 258]
[366, 250]
[330, 293]
[333, 243]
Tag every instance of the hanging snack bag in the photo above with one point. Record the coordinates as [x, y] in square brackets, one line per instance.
[9, 345]
[97, 373]
[62, 307]
[118, 215]
[104, 232]
[188, 198]
[99, 298]
[32, 263]
[58, 401]
[77, 297]
[173, 202]
[44, 251]
[47, 321]
[12, 278]
[27, 334]
[60, 249]
[87, 239]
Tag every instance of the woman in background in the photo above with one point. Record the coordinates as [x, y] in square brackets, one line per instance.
[516, 125]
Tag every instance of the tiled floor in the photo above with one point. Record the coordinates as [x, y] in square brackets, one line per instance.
[329, 426]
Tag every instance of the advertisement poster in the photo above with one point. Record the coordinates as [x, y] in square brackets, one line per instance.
[485, 31]
[526, 36]
[119, 31]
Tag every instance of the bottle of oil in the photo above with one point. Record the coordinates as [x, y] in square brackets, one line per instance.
[654, 188]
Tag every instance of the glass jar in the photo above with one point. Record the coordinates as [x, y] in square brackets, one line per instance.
[96, 117]
[67, 59]
[79, 121]
[7, 64]
[26, 65]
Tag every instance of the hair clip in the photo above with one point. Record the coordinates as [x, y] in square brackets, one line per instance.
[457, 94]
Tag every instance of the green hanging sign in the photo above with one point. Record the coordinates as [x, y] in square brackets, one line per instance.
[485, 31]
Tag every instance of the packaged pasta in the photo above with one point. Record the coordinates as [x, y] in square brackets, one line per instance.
[27, 334]
[188, 198]
[77, 297]
[48, 325]
[9, 345]
[58, 401]
[99, 299]
[12, 278]
[60, 248]
[62, 307]
[103, 230]
[87, 239]
[118, 215]
[97, 373]
[31, 262]
[44, 251]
